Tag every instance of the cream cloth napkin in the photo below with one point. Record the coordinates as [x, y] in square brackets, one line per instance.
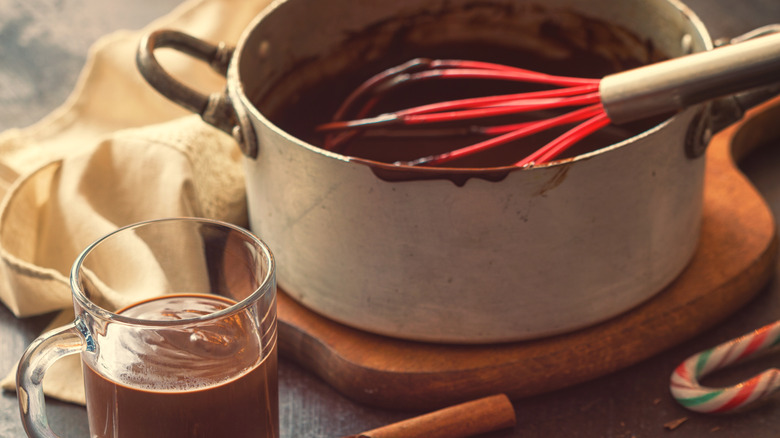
[116, 152]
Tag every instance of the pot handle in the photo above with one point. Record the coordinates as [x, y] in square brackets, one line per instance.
[723, 112]
[215, 109]
[748, 99]
[751, 98]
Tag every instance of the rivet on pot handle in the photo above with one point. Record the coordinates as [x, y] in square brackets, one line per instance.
[216, 108]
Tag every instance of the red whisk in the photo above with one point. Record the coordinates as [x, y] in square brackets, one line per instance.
[619, 98]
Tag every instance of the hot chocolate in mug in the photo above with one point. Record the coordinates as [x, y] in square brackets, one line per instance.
[175, 322]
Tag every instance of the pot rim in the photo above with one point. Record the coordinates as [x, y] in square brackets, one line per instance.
[236, 93]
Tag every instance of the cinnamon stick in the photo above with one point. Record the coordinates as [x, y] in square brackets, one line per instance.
[460, 421]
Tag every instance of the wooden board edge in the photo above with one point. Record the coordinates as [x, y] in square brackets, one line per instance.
[394, 387]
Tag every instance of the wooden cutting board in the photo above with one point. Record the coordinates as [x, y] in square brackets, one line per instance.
[735, 258]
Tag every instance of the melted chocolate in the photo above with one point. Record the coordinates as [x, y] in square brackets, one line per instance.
[183, 382]
[586, 56]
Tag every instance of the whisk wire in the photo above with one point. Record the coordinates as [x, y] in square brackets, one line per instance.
[517, 131]
[570, 92]
[556, 147]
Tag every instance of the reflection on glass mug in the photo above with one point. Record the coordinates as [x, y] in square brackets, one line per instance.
[176, 326]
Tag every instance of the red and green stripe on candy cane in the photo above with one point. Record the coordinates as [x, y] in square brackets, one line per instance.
[687, 390]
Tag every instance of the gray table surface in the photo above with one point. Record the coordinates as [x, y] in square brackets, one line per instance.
[43, 45]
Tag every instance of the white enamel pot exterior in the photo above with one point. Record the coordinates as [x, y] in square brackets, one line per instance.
[531, 253]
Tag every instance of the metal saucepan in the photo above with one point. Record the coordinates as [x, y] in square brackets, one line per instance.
[466, 255]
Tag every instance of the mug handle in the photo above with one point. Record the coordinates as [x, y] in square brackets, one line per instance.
[215, 109]
[38, 357]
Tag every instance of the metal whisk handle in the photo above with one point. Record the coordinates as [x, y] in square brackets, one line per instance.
[681, 82]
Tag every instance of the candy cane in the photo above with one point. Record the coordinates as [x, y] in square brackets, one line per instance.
[688, 392]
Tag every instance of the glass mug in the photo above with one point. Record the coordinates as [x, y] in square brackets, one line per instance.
[176, 326]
